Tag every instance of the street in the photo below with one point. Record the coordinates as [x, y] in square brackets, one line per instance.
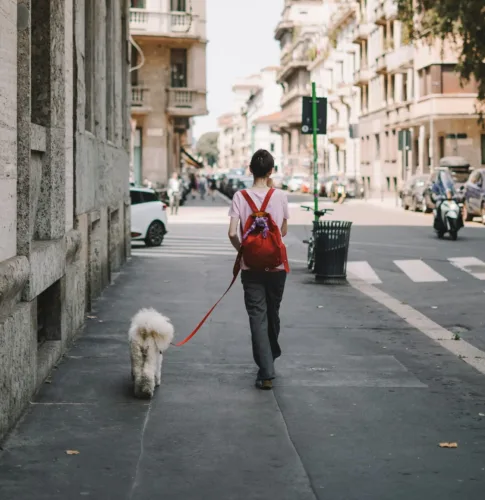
[363, 395]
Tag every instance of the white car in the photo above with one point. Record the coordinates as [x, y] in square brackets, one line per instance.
[148, 217]
[294, 184]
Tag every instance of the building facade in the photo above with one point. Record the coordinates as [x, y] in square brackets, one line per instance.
[168, 78]
[263, 112]
[64, 166]
[413, 109]
[301, 22]
[332, 68]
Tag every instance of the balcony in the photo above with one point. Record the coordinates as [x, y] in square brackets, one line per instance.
[381, 64]
[186, 102]
[344, 89]
[362, 76]
[400, 59]
[380, 14]
[337, 133]
[361, 32]
[151, 23]
[299, 57]
[140, 100]
[390, 9]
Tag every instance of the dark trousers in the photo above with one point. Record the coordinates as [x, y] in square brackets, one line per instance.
[263, 292]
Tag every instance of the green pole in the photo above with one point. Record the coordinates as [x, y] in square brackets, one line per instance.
[315, 149]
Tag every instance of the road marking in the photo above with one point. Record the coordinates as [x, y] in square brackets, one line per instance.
[470, 265]
[166, 255]
[419, 272]
[196, 238]
[462, 349]
[363, 271]
[185, 251]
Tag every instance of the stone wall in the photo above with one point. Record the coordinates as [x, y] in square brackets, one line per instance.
[64, 166]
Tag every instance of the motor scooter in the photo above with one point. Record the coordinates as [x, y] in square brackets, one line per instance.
[448, 218]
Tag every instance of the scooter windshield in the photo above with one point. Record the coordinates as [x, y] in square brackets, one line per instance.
[445, 183]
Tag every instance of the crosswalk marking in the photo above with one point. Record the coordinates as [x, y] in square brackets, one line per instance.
[471, 265]
[363, 271]
[419, 272]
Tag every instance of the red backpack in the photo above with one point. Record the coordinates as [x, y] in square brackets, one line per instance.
[262, 246]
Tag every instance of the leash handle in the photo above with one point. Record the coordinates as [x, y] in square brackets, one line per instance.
[236, 269]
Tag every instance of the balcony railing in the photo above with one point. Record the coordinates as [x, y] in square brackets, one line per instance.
[400, 59]
[155, 23]
[140, 97]
[361, 32]
[186, 102]
[381, 64]
[362, 76]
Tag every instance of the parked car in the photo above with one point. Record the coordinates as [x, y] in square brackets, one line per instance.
[413, 193]
[474, 203]
[294, 184]
[148, 216]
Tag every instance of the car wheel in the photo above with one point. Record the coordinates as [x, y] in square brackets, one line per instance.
[468, 217]
[406, 207]
[155, 234]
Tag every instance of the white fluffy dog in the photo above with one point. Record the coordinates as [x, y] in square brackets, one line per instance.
[150, 335]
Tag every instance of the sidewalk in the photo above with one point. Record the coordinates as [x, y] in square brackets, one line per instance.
[359, 406]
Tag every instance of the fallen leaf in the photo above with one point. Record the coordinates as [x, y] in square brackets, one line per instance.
[434, 307]
[481, 414]
[448, 445]
[92, 317]
[72, 452]
[320, 307]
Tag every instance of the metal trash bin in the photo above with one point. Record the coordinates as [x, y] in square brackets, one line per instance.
[332, 238]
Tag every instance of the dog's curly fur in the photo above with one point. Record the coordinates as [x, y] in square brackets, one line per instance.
[150, 335]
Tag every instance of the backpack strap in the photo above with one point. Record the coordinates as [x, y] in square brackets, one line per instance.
[269, 194]
[250, 201]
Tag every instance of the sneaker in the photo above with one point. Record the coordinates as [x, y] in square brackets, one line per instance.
[264, 385]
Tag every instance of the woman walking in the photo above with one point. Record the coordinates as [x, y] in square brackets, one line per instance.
[263, 289]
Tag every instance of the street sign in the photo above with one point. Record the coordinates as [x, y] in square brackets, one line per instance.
[307, 118]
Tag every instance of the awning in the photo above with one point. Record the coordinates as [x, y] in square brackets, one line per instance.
[190, 159]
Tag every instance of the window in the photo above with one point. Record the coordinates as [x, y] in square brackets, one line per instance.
[137, 4]
[378, 145]
[178, 5]
[134, 63]
[441, 145]
[405, 90]
[271, 147]
[136, 198]
[178, 64]
[149, 196]
[482, 138]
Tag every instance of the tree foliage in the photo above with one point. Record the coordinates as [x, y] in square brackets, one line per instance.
[460, 21]
[207, 147]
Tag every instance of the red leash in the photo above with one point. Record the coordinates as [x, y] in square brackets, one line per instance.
[235, 272]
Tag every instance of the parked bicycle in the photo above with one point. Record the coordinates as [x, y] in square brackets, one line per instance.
[311, 241]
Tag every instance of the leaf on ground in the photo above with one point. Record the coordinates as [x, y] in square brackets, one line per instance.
[320, 307]
[481, 414]
[92, 317]
[72, 452]
[448, 445]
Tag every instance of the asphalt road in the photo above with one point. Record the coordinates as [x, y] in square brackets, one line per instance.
[361, 401]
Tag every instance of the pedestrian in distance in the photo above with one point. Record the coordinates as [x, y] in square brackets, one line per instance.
[174, 191]
[260, 215]
[212, 188]
[202, 183]
[193, 185]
